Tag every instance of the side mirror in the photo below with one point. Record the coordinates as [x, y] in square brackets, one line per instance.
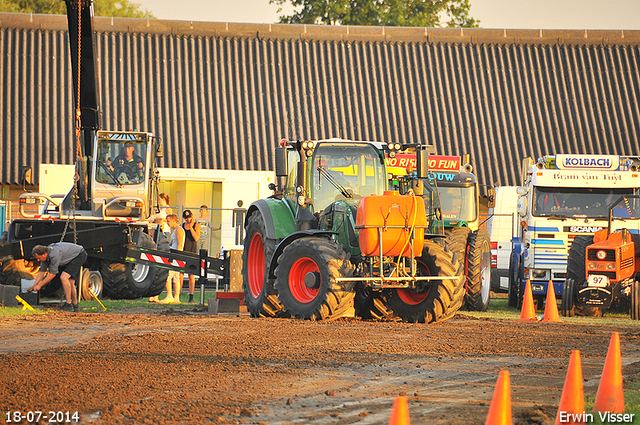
[27, 175]
[159, 150]
[281, 162]
[491, 198]
[522, 206]
[423, 163]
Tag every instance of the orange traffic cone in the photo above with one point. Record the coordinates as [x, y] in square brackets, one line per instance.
[551, 307]
[571, 409]
[610, 397]
[400, 412]
[528, 311]
[500, 410]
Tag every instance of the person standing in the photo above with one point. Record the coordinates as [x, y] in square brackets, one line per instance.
[192, 236]
[64, 259]
[205, 229]
[174, 279]
[163, 211]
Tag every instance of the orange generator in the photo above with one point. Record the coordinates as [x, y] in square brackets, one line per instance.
[391, 225]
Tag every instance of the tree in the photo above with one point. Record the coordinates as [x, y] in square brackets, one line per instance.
[115, 8]
[414, 13]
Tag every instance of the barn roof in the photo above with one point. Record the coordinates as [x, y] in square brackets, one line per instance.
[220, 95]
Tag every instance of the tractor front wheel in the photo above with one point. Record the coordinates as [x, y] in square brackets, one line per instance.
[306, 279]
[576, 271]
[259, 294]
[371, 304]
[478, 270]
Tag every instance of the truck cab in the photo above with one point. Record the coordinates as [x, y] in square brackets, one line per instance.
[562, 196]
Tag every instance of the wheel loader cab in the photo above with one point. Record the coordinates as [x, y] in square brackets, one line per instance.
[123, 167]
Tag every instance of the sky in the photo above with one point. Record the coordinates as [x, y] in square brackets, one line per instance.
[535, 14]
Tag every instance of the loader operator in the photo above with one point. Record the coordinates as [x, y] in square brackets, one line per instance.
[128, 166]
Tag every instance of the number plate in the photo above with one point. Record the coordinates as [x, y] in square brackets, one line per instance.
[131, 204]
[598, 281]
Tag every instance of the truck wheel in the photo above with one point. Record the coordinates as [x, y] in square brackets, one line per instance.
[440, 299]
[128, 280]
[159, 282]
[259, 295]
[306, 279]
[513, 282]
[478, 270]
[635, 301]
[576, 271]
[568, 298]
[91, 279]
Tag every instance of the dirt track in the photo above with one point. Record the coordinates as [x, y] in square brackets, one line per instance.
[191, 368]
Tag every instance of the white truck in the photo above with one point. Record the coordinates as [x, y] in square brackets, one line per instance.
[563, 196]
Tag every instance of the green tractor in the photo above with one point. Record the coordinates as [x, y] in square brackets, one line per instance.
[333, 240]
[459, 197]
[459, 200]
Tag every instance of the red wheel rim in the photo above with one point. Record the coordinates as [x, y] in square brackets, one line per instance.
[411, 297]
[298, 289]
[408, 296]
[255, 266]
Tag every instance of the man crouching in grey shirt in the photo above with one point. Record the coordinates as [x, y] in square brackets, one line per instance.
[64, 259]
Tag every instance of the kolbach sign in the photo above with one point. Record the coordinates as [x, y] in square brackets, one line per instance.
[587, 162]
[449, 164]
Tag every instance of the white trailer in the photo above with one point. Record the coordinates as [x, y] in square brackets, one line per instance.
[503, 226]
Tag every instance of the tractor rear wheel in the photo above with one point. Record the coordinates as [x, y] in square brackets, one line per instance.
[440, 299]
[576, 271]
[457, 241]
[259, 295]
[13, 271]
[567, 305]
[635, 301]
[477, 268]
[306, 279]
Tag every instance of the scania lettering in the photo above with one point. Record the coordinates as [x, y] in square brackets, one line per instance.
[563, 196]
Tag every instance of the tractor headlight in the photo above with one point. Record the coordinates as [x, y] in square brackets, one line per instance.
[611, 266]
[592, 266]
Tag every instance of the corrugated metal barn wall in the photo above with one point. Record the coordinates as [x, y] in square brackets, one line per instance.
[37, 100]
[224, 102]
